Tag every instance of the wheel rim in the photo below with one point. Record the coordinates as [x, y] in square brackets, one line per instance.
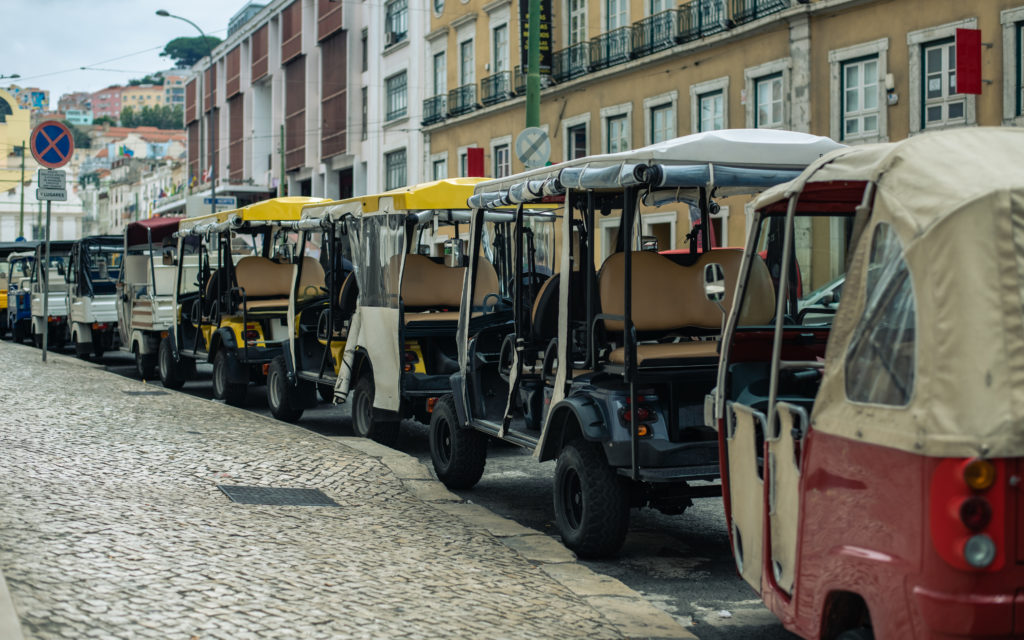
[363, 413]
[218, 378]
[444, 444]
[572, 499]
[273, 393]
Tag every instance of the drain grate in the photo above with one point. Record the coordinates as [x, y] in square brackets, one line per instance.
[144, 393]
[277, 496]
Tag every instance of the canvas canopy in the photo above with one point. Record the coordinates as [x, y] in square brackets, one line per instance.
[138, 233]
[934, 294]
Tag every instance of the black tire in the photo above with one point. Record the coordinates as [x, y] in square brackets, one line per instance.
[591, 501]
[37, 340]
[232, 393]
[83, 351]
[145, 365]
[281, 394]
[459, 454]
[326, 392]
[172, 373]
[363, 422]
[856, 634]
[18, 332]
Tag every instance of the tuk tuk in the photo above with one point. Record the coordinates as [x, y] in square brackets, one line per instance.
[606, 369]
[145, 290]
[6, 249]
[871, 452]
[399, 348]
[92, 274]
[231, 288]
[49, 282]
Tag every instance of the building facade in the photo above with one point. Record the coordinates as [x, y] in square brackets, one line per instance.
[107, 102]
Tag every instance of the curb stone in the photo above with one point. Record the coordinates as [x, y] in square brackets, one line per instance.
[10, 624]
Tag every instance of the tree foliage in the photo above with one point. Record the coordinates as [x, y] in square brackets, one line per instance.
[102, 120]
[81, 136]
[160, 116]
[150, 78]
[187, 51]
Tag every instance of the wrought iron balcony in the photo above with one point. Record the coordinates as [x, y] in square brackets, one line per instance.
[462, 100]
[435, 109]
[611, 48]
[496, 88]
[654, 33]
[701, 18]
[570, 62]
[747, 10]
[519, 81]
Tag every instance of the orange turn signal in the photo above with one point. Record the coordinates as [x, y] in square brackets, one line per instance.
[431, 403]
[979, 474]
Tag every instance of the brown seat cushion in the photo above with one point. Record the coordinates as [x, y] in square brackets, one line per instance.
[666, 351]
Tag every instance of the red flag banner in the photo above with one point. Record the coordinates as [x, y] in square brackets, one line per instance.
[475, 162]
[968, 61]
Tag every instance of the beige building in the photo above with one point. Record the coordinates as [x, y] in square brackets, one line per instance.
[626, 73]
[145, 95]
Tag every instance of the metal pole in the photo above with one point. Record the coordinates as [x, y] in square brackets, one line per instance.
[533, 66]
[21, 217]
[45, 271]
[280, 183]
[213, 154]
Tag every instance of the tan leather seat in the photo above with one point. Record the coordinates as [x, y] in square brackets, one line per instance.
[667, 351]
[267, 284]
[428, 285]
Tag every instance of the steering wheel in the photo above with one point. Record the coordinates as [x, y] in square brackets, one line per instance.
[490, 307]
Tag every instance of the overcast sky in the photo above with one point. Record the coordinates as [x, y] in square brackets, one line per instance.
[48, 41]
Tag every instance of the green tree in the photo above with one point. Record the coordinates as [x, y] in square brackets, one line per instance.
[128, 118]
[150, 78]
[102, 120]
[187, 51]
[160, 116]
[81, 137]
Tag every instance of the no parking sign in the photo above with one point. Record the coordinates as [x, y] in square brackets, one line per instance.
[52, 144]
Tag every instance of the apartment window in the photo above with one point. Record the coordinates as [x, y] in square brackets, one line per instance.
[657, 6]
[439, 169]
[440, 74]
[466, 71]
[577, 141]
[942, 105]
[1012, 22]
[362, 123]
[463, 163]
[768, 101]
[364, 50]
[615, 14]
[394, 169]
[663, 123]
[712, 111]
[577, 21]
[500, 42]
[502, 161]
[617, 133]
[397, 98]
[860, 98]
[396, 21]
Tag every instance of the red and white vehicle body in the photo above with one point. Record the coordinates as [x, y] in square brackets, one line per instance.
[872, 469]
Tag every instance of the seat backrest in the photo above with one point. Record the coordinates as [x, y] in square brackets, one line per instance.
[165, 275]
[426, 283]
[348, 296]
[669, 296]
[261, 277]
[136, 268]
[312, 280]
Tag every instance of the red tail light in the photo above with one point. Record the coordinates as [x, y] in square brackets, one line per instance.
[975, 513]
[968, 513]
[252, 335]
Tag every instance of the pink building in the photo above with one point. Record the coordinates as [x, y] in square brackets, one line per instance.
[107, 102]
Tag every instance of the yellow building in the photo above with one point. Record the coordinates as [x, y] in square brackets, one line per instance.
[626, 73]
[146, 95]
[15, 127]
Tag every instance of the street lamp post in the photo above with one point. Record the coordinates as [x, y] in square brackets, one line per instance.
[213, 147]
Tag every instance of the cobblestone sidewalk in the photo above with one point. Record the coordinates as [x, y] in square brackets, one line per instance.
[112, 526]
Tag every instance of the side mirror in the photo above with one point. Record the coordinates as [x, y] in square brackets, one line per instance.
[714, 283]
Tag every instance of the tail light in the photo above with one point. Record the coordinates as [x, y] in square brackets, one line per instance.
[431, 403]
[967, 513]
[100, 326]
[411, 358]
[646, 415]
[252, 336]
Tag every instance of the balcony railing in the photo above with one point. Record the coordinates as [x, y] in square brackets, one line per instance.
[747, 10]
[654, 33]
[570, 62]
[462, 100]
[611, 48]
[519, 81]
[435, 109]
[496, 88]
[701, 18]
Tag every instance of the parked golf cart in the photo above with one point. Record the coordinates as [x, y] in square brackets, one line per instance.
[93, 270]
[400, 345]
[19, 295]
[608, 370]
[232, 281]
[145, 290]
[872, 484]
[6, 249]
[50, 282]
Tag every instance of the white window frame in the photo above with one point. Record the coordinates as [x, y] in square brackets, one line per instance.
[669, 99]
[751, 76]
[623, 11]
[495, 49]
[503, 141]
[1013, 73]
[443, 54]
[608, 226]
[703, 89]
[915, 40]
[569, 123]
[434, 159]
[836, 59]
[462, 153]
[616, 111]
[567, 29]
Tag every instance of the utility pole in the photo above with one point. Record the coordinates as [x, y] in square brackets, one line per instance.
[280, 183]
[533, 67]
[21, 218]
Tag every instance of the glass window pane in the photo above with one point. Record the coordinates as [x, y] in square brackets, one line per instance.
[852, 126]
[870, 97]
[851, 75]
[956, 110]
[852, 100]
[870, 124]
[934, 114]
[933, 60]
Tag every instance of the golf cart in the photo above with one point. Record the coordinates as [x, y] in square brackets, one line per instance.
[18, 314]
[6, 249]
[608, 370]
[232, 281]
[50, 282]
[871, 466]
[145, 290]
[93, 268]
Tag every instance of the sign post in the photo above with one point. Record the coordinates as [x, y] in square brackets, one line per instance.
[52, 145]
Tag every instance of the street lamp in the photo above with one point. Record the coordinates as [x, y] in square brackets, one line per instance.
[10, 77]
[163, 13]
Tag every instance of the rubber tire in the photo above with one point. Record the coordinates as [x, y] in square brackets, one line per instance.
[83, 353]
[326, 392]
[172, 374]
[232, 393]
[37, 340]
[459, 454]
[363, 423]
[145, 365]
[856, 634]
[591, 501]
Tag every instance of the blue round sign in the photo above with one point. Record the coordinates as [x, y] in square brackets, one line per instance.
[52, 144]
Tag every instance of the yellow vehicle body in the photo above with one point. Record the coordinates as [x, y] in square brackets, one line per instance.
[235, 324]
[3, 299]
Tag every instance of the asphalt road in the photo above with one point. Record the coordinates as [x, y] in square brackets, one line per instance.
[681, 564]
